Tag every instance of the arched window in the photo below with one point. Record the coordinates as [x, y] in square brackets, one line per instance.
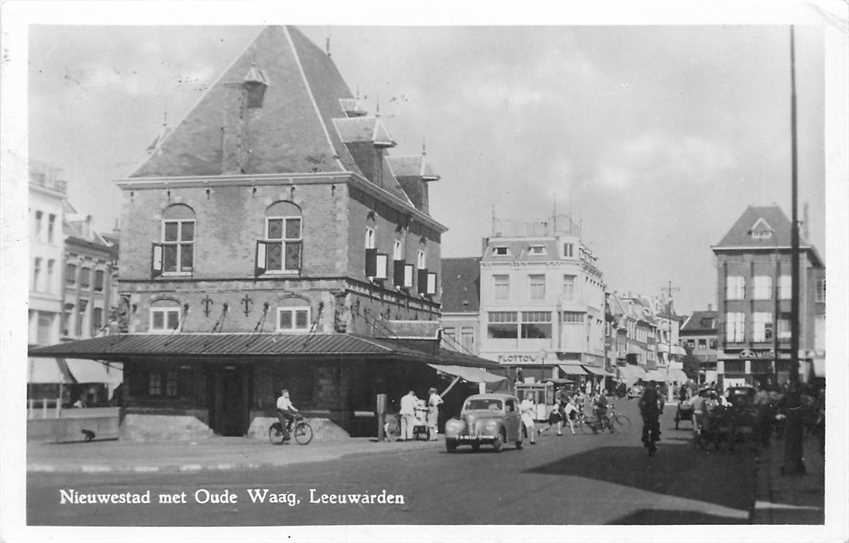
[283, 238]
[178, 239]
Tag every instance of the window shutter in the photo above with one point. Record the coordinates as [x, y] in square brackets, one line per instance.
[398, 273]
[371, 262]
[382, 265]
[408, 276]
[261, 253]
[431, 283]
[421, 280]
[156, 260]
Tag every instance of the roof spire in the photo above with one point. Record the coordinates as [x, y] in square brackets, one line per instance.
[327, 43]
[424, 146]
[377, 107]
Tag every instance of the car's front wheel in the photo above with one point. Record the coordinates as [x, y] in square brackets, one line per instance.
[450, 445]
[498, 442]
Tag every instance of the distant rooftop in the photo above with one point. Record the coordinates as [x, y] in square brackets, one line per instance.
[44, 175]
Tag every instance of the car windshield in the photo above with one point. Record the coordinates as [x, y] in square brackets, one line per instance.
[482, 404]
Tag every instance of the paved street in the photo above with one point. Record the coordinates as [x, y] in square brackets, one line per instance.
[582, 479]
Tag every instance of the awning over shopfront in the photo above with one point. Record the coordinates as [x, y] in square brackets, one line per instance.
[472, 375]
[572, 369]
[631, 374]
[234, 348]
[95, 371]
[676, 349]
[592, 370]
[48, 370]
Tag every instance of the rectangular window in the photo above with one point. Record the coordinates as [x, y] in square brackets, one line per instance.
[762, 287]
[154, 384]
[421, 260]
[503, 325]
[713, 344]
[568, 287]
[283, 244]
[537, 250]
[784, 328]
[537, 286]
[85, 277]
[702, 344]
[38, 218]
[293, 319]
[71, 274]
[397, 250]
[735, 328]
[691, 344]
[171, 383]
[370, 238]
[500, 251]
[820, 297]
[36, 272]
[98, 280]
[785, 286]
[573, 317]
[449, 338]
[568, 250]
[164, 319]
[735, 286]
[467, 338]
[51, 266]
[761, 321]
[501, 284]
[536, 324]
[97, 318]
[51, 228]
[178, 244]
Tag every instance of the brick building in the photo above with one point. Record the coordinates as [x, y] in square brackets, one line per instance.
[461, 304]
[698, 337]
[270, 241]
[754, 298]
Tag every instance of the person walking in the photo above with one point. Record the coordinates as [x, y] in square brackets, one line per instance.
[434, 400]
[570, 411]
[526, 409]
[651, 405]
[408, 415]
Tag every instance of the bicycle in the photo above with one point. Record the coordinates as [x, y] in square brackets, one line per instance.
[651, 435]
[301, 429]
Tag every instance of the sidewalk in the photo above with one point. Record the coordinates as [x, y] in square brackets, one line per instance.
[789, 499]
[217, 453]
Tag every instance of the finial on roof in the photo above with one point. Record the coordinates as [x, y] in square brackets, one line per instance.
[327, 44]
[377, 107]
[424, 146]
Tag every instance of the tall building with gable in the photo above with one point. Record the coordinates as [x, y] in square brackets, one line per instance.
[271, 241]
[754, 297]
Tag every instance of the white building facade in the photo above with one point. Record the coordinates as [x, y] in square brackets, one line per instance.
[46, 195]
[542, 297]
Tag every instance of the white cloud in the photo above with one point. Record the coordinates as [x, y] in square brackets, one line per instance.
[659, 157]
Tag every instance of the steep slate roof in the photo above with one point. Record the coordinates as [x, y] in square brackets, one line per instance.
[461, 283]
[390, 182]
[291, 133]
[700, 322]
[764, 218]
[363, 129]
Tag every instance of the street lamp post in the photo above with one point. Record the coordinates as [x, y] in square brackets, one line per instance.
[793, 433]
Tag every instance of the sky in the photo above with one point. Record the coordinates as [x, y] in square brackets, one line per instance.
[656, 137]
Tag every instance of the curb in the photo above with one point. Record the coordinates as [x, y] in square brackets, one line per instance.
[195, 467]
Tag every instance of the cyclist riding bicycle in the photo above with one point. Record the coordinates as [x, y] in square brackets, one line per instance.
[285, 410]
[651, 405]
[600, 409]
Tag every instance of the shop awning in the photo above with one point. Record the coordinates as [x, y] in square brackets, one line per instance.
[48, 371]
[95, 371]
[676, 349]
[596, 371]
[631, 374]
[472, 375]
[572, 369]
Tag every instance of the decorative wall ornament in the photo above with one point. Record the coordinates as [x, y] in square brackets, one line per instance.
[206, 303]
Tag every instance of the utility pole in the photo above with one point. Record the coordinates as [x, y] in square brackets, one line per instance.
[793, 464]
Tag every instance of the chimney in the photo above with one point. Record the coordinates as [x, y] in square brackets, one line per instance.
[710, 307]
[87, 228]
